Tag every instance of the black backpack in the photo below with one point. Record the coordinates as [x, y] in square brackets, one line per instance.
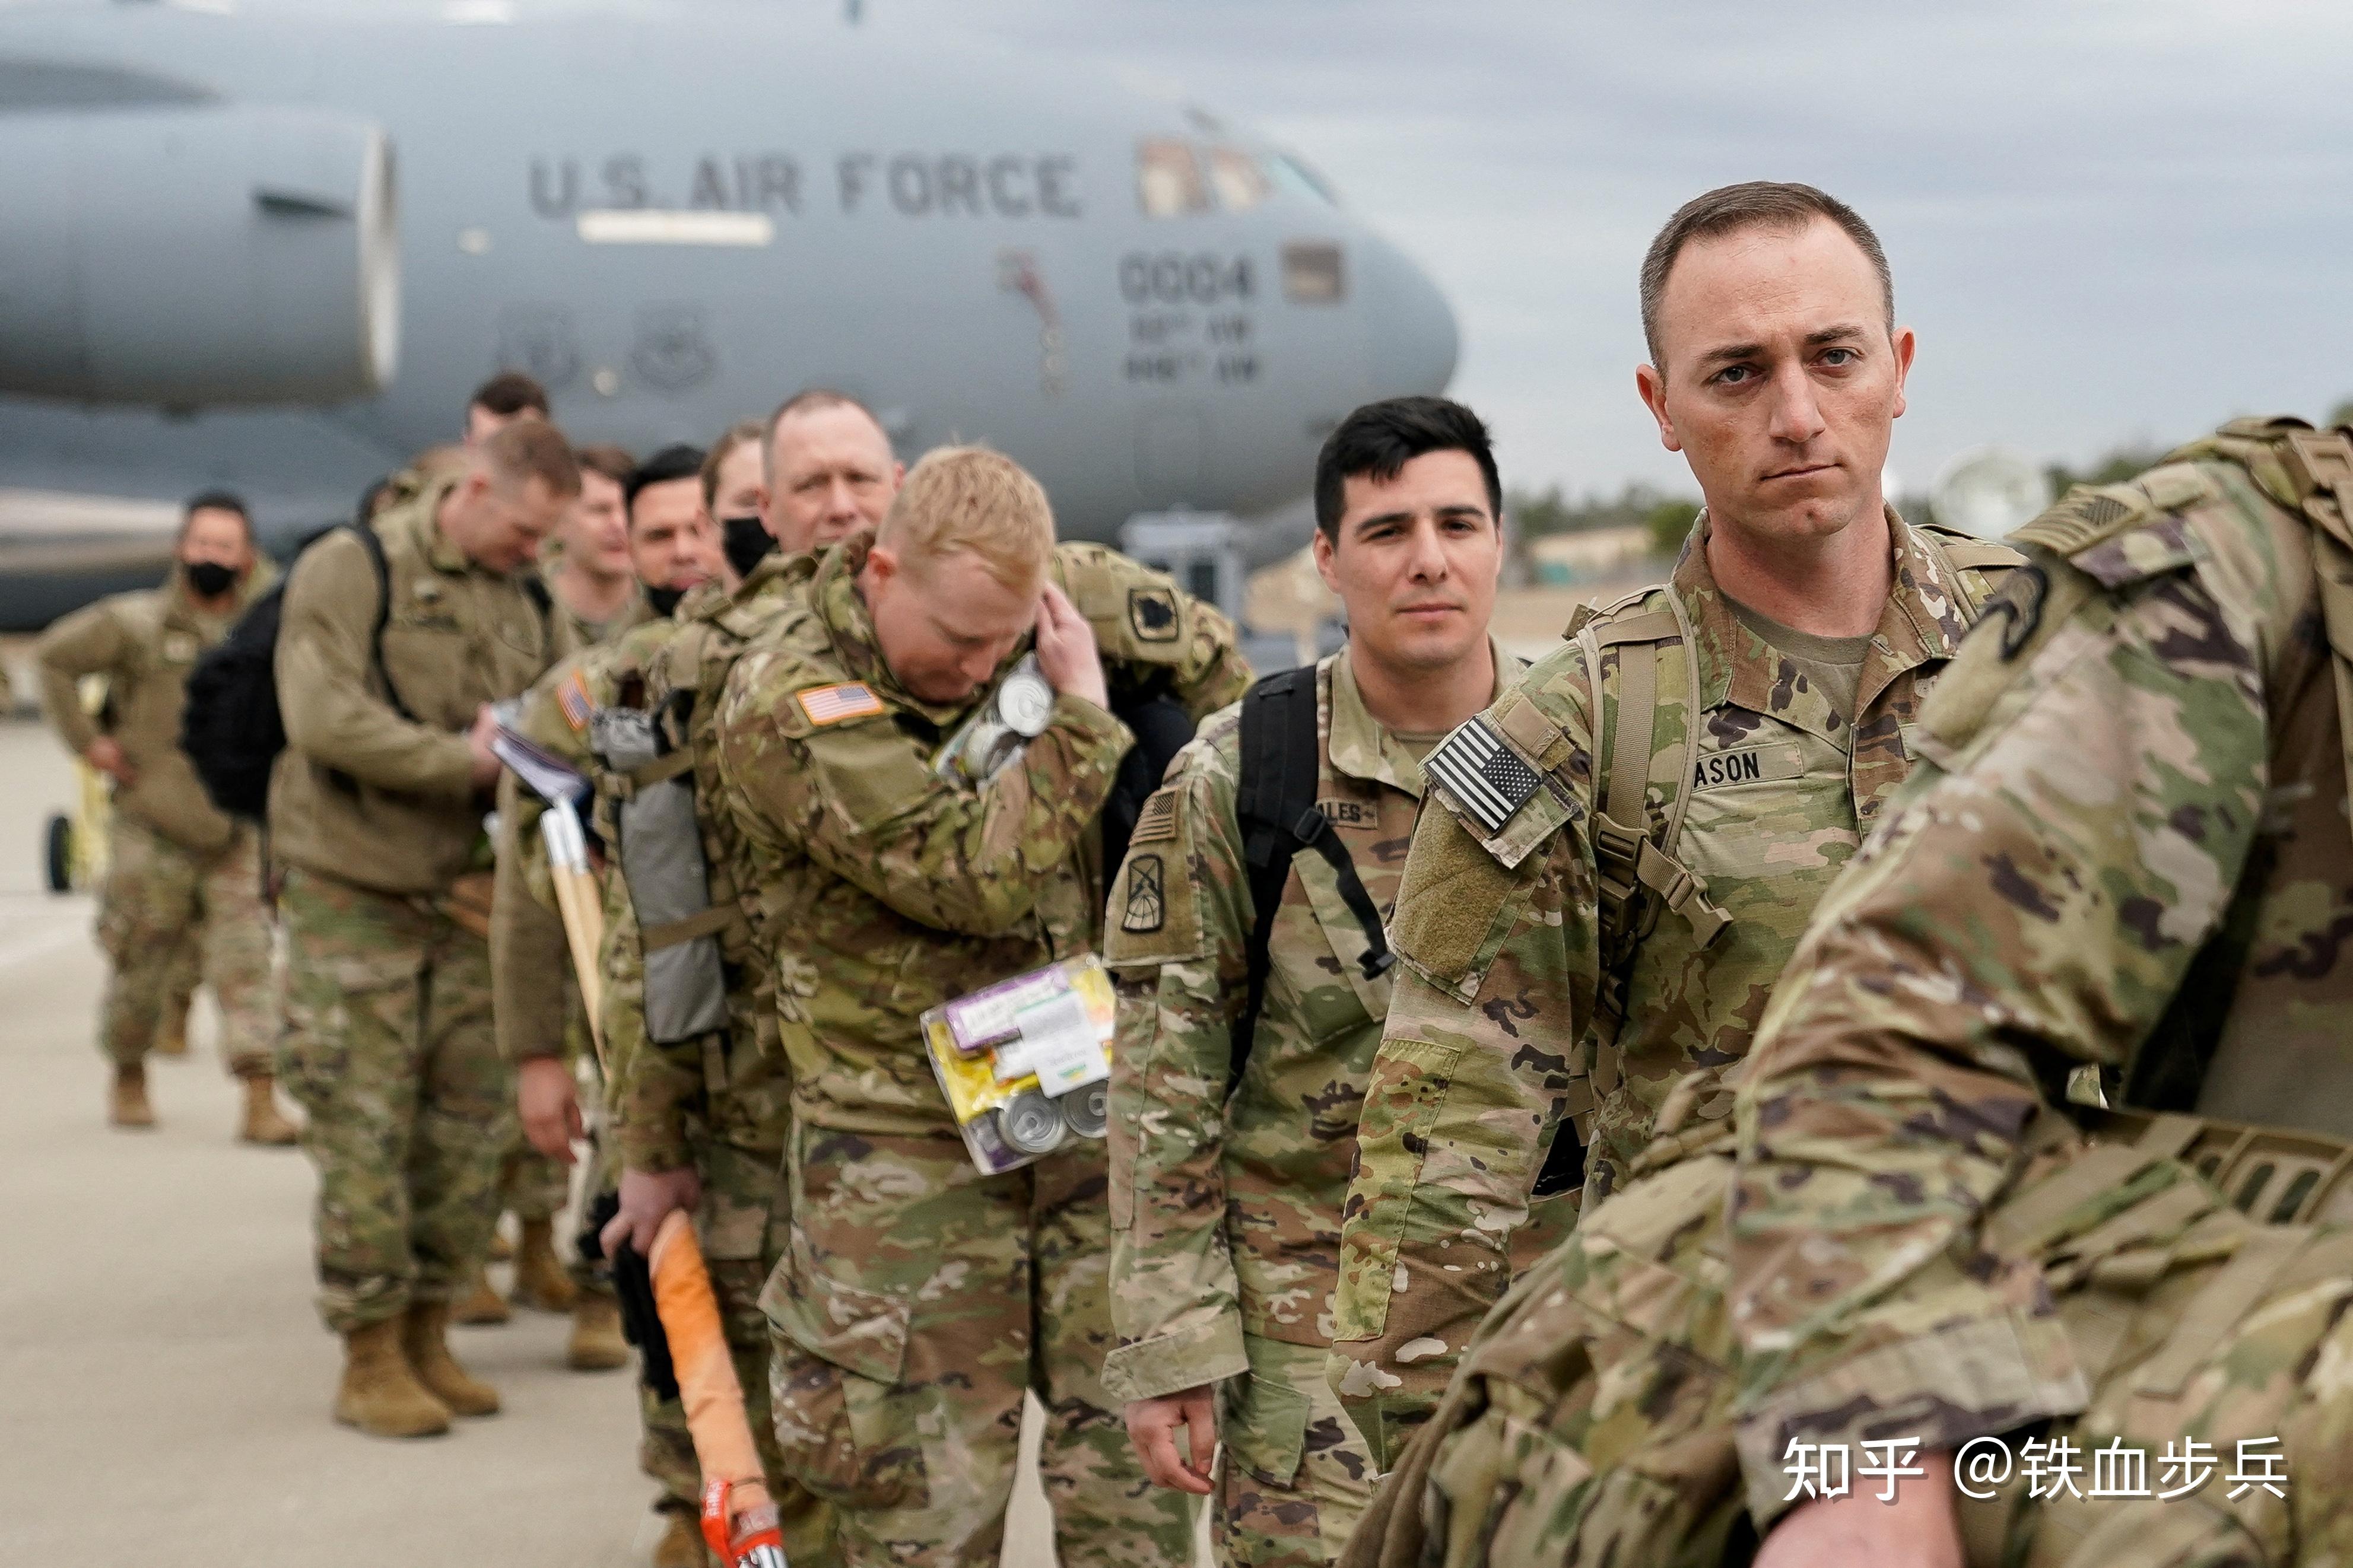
[1274, 805]
[231, 728]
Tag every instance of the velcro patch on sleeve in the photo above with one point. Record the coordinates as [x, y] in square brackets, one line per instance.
[1158, 822]
[1485, 776]
[1151, 613]
[824, 705]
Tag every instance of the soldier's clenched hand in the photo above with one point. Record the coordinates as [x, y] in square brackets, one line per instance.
[646, 1198]
[549, 1104]
[1917, 1529]
[1067, 654]
[1152, 1427]
[105, 754]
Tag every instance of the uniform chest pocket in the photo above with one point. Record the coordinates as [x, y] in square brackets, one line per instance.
[430, 660]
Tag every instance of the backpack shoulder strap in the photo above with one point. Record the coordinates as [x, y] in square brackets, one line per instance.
[1274, 805]
[373, 541]
[1632, 857]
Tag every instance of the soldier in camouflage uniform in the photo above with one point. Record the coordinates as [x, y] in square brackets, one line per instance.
[183, 893]
[917, 1300]
[1226, 1205]
[1595, 909]
[595, 540]
[2126, 854]
[375, 818]
[697, 1122]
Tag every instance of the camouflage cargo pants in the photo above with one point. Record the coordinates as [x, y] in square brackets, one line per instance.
[916, 1303]
[741, 1230]
[166, 917]
[1293, 1476]
[388, 1047]
[1592, 1421]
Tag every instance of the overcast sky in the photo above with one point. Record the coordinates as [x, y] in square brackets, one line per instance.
[2108, 222]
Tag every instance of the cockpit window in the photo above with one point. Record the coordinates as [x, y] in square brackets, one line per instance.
[1297, 179]
[1168, 181]
[1241, 183]
[1313, 273]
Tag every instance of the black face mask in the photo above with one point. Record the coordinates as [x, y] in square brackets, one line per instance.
[747, 543]
[210, 579]
[665, 600]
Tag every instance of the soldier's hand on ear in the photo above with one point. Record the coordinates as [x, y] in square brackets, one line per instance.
[1067, 654]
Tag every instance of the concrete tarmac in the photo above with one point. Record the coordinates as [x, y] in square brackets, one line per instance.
[164, 1381]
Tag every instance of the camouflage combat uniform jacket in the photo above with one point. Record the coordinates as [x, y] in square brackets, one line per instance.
[884, 889]
[2131, 850]
[361, 794]
[143, 644]
[1488, 1044]
[2126, 848]
[1226, 1212]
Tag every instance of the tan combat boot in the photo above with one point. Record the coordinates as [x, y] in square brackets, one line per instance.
[681, 1543]
[480, 1303]
[380, 1394]
[423, 1341]
[539, 1278]
[597, 1342]
[128, 1106]
[262, 1123]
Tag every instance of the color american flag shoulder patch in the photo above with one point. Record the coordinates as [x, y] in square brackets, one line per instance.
[1485, 776]
[572, 697]
[833, 704]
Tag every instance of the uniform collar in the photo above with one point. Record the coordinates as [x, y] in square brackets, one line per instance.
[424, 521]
[1920, 622]
[1360, 748]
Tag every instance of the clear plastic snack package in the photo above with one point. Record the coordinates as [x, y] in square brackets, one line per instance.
[1025, 1063]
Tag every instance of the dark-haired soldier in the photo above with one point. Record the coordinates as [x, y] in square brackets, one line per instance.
[1226, 1208]
[500, 400]
[179, 871]
[1623, 853]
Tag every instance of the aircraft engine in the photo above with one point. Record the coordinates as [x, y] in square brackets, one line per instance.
[278, 238]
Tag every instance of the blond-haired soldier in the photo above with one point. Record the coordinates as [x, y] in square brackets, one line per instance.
[917, 1299]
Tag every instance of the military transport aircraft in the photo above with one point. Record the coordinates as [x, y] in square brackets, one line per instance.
[273, 247]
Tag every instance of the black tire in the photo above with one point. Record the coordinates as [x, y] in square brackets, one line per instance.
[58, 844]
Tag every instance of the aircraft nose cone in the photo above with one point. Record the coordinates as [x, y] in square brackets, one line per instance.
[1412, 342]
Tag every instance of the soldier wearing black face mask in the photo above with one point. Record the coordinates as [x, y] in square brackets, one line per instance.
[183, 880]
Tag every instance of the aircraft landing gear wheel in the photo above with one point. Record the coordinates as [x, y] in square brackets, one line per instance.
[58, 844]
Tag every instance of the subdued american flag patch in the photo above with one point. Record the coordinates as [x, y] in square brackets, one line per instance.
[1488, 778]
[1158, 819]
[572, 696]
[832, 704]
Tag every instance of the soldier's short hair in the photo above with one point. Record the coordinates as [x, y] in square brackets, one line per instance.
[809, 401]
[1754, 204]
[969, 500]
[1380, 438]
[215, 500]
[675, 461]
[735, 436]
[614, 463]
[531, 449]
[508, 393]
